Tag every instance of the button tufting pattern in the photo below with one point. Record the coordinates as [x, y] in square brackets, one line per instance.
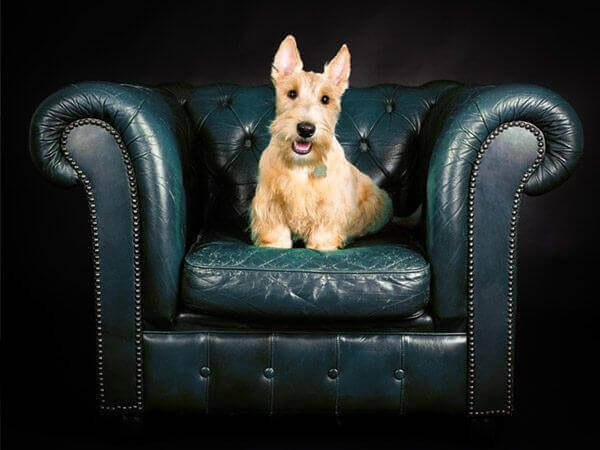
[389, 106]
[379, 141]
[224, 101]
[399, 374]
[306, 374]
[363, 145]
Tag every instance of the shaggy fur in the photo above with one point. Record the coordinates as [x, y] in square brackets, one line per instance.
[317, 196]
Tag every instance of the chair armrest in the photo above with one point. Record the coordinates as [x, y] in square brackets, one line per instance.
[453, 134]
[156, 133]
[126, 145]
[488, 146]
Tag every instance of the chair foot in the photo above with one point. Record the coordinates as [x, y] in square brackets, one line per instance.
[131, 423]
[135, 419]
[483, 430]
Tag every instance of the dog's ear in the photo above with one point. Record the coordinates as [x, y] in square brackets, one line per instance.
[338, 69]
[287, 59]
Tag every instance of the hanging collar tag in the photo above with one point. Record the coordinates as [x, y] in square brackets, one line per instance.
[320, 171]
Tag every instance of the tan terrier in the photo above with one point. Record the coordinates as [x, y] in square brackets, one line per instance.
[307, 189]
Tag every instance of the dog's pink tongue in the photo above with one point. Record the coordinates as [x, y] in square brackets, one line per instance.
[301, 147]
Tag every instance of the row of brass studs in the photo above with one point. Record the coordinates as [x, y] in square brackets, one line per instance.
[138, 405]
[512, 246]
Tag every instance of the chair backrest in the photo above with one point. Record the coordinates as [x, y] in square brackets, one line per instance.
[378, 128]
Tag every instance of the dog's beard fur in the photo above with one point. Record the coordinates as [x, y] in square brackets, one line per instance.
[321, 142]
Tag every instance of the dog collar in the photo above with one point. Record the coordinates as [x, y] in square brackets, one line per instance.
[320, 171]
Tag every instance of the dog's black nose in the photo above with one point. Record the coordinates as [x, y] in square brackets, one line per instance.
[305, 129]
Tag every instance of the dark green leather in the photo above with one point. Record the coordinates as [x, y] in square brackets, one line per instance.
[381, 277]
[496, 133]
[422, 144]
[115, 289]
[457, 125]
[214, 371]
[156, 131]
[378, 128]
[506, 160]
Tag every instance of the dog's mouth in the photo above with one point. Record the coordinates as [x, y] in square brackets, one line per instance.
[301, 147]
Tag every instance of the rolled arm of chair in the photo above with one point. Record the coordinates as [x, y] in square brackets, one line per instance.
[127, 146]
[155, 132]
[488, 145]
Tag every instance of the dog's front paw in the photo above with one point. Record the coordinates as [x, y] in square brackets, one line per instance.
[325, 240]
[323, 247]
[278, 244]
[274, 236]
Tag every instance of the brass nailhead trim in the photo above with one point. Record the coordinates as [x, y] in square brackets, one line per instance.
[138, 405]
[508, 408]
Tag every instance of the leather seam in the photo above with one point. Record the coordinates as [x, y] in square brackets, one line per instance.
[231, 269]
[402, 363]
[207, 386]
[369, 317]
[325, 333]
[272, 379]
[339, 369]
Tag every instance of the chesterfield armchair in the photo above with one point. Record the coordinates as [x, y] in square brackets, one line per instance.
[190, 316]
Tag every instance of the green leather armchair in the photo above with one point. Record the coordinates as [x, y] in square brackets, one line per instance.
[190, 316]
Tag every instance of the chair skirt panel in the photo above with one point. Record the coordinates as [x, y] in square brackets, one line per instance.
[287, 372]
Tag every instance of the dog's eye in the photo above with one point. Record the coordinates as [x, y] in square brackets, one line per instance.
[325, 99]
[292, 94]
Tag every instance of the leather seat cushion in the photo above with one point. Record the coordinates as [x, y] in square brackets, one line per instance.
[379, 277]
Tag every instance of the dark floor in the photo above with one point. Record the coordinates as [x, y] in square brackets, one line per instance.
[554, 399]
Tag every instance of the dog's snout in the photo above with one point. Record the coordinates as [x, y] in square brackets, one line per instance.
[305, 129]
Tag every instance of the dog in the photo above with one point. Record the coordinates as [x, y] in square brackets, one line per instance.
[307, 189]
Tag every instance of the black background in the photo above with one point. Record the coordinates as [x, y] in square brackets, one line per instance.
[47, 335]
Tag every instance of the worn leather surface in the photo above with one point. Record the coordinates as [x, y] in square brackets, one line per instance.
[156, 130]
[378, 128]
[379, 277]
[213, 371]
[188, 320]
[452, 134]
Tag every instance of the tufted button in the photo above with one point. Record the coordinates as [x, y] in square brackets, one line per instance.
[224, 101]
[333, 374]
[389, 106]
[248, 142]
[363, 145]
[399, 374]
[269, 372]
[205, 372]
